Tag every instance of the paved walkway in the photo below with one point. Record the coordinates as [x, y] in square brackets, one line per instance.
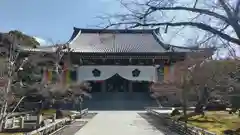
[76, 126]
[118, 123]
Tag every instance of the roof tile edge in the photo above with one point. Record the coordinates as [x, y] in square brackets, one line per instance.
[131, 31]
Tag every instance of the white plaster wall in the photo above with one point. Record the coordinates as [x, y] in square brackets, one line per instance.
[148, 73]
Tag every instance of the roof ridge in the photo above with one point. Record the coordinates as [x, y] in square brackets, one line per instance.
[98, 30]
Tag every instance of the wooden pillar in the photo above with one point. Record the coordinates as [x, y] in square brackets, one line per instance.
[13, 122]
[27, 117]
[21, 122]
[54, 117]
[130, 86]
[39, 119]
[103, 86]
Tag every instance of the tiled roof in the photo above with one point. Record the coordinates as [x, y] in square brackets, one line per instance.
[40, 49]
[184, 49]
[117, 41]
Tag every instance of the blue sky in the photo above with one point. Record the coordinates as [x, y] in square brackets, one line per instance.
[52, 19]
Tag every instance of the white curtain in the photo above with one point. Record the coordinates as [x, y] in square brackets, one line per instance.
[147, 73]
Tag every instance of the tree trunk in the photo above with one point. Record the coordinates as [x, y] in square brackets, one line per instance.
[199, 108]
[5, 105]
[184, 96]
[3, 114]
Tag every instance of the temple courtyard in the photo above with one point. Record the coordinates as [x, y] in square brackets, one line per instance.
[120, 123]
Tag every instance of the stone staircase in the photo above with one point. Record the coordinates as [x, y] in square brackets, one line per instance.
[119, 101]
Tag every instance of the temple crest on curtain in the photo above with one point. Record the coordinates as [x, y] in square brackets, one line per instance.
[134, 73]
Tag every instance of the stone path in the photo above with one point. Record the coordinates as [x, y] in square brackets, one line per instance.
[119, 123]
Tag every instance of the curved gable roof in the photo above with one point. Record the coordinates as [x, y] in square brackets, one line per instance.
[115, 41]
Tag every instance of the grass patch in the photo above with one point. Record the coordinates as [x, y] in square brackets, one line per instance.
[49, 113]
[215, 121]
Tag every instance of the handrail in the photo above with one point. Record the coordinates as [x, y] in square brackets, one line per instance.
[19, 114]
[83, 112]
[52, 125]
[168, 108]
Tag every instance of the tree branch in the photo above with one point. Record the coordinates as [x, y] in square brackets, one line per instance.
[233, 20]
[237, 8]
[195, 3]
[201, 26]
[196, 10]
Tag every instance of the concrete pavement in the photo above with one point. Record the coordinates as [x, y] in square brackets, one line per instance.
[119, 123]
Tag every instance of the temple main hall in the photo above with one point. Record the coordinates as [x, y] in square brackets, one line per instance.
[121, 65]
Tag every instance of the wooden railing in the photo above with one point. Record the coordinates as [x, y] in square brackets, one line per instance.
[168, 108]
[49, 128]
[13, 123]
[60, 123]
[178, 126]
[16, 120]
[18, 114]
[82, 113]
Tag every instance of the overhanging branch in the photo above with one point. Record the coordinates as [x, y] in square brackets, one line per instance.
[201, 26]
[195, 10]
[237, 8]
[231, 17]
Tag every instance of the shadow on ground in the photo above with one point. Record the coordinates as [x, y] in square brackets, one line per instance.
[89, 116]
[76, 126]
[156, 122]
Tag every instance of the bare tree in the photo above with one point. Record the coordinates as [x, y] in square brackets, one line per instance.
[205, 78]
[181, 83]
[17, 60]
[214, 23]
[10, 66]
[55, 60]
[57, 89]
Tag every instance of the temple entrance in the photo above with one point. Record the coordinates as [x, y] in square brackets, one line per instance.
[118, 93]
[117, 84]
[96, 86]
[140, 86]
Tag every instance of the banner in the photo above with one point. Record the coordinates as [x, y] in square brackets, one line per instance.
[69, 75]
[166, 73]
[172, 72]
[47, 75]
